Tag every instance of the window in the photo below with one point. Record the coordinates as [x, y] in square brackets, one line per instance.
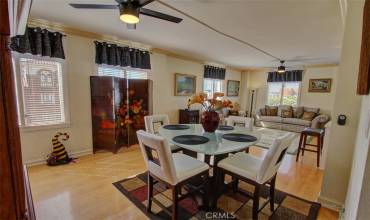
[283, 93]
[211, 86]
[40, 92]
[104, 70]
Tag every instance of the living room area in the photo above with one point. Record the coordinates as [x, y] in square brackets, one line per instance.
[163, 111]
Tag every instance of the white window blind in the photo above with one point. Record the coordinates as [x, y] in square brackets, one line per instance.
[121, 72]
[136, 74]
[42, 96]
[211, 86]
[111, 71]
[283, 93]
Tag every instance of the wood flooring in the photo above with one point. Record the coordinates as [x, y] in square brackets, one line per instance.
[84, 190]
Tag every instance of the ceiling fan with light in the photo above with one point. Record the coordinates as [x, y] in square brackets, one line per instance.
[129, 11]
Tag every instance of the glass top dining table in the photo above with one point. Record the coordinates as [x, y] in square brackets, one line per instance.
[216, 145]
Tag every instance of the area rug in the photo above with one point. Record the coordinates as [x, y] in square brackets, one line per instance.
[230, 205]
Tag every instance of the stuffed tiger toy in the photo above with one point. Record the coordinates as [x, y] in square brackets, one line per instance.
[59, 154]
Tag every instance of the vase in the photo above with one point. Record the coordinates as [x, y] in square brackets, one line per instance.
[210, 121]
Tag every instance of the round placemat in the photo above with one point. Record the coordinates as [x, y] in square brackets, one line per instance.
[225, 128]
[239, 137]
[176, 127]
[190, 139]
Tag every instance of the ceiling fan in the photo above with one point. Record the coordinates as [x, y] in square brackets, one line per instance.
[129, 11]
[282, 67]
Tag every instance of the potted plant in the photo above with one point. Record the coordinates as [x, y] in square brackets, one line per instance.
[210, 118]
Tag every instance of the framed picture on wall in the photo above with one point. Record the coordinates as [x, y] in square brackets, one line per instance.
[185, 84]
[233, 88]
[319, 85]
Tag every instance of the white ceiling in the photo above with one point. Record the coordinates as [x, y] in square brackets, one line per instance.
[289, 29]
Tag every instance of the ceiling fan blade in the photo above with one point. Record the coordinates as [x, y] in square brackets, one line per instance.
[144, 2]
[159, 15]
[93, 6]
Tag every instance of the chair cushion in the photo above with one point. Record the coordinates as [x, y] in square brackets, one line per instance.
[242, 164]
[296, 121]
[187, 166]
[271, 118]
[174, 147]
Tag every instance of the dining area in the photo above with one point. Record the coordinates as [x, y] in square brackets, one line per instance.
[202, 166]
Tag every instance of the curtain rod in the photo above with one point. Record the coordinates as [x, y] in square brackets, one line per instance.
[218, 31]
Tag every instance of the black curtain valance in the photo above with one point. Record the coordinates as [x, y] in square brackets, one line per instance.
[40, 42]
[288, 76]
[114, 55]
[214, 72]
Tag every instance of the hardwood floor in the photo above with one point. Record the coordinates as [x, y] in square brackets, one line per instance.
[84, 190]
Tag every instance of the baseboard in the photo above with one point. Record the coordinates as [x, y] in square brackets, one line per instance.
[331, 204]
[71, 154]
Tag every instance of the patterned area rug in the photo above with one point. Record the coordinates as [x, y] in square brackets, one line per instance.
[230, 205]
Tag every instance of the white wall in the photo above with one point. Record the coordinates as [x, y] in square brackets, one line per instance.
[342, 138]
[258, 80]
[80, 55]
[360, 158]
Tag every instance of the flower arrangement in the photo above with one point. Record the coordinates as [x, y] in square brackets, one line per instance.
[214, 104]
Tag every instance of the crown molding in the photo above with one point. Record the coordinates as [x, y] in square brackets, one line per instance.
[35, 22]
[55, 26]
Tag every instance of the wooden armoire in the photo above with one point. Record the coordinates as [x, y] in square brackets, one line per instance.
[118, 107]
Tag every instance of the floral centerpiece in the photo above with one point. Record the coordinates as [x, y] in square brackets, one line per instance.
[210, 118]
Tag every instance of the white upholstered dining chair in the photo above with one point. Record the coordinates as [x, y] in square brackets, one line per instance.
[233, 120]
[256, 171]
[173, 169]
[154, 121]
[246, 122]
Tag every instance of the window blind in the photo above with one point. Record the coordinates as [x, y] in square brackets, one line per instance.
[121, 72]
[42, 92]
[111, 71]
[134, 74]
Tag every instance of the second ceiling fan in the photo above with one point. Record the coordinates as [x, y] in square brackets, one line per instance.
[129, 11]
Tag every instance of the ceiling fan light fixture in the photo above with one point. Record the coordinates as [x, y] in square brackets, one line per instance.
[281, 69]
[129, 13]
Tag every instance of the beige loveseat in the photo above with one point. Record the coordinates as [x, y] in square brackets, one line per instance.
[294, 123]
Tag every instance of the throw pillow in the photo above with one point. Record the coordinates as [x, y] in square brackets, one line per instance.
[308, 116]
[298, 112]
[283, 107]
[271, 110]
[287, 113]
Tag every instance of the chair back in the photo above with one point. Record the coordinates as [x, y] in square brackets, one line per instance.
[152, 120]
[239, 120]
[158, 157]
[274, 157]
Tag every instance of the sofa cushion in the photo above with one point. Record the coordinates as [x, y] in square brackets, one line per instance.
[271, 118]
[308, 109]
[271, 110]
[298, 112]
[296, 121]
[308, 116]
[281, 108]
[287, 113]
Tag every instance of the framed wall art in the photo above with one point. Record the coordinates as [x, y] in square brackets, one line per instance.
[319, 85]
[185, 84]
